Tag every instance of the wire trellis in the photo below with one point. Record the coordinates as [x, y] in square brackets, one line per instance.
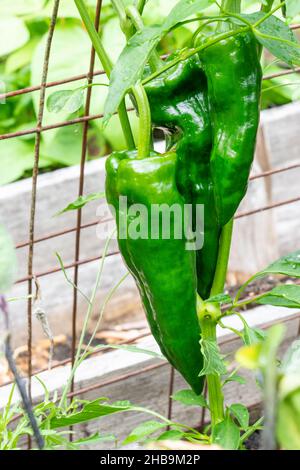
[77, 261]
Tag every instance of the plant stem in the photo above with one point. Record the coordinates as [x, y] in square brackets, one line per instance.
[268, 6]
[144, 120]
[94, 36]
[232, 6]
[155, 61]
[208, 325]
[86, 322]
[223, 257]
[140, 4]
[208, 317]
[107, 66]
[190, 53]
[125, 23]
[210, 42]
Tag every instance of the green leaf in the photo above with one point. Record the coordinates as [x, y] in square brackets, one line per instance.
[226, 434]
[135, 55]
[288, 265]
[292, 8]
[262, 354]
[143, 430]
[212, 360]
[8, 261]
[183, 9]
[277, 37]
[16, 159]
[270, 346]
[170, 435]
[93, 410]
[64, 145]
[14, 34]
[135, 349]
[81, 202]
[241, 413]
[291, 360]
[282, 296]
[125, 347]
[252, 335]
[280, 90]
[128, 69]
[68, 100]
[188, 397]
[235, 378]
[220, 299]
[288, 425]
[19, 7]
[290, 366]
[21, 57]
[94, 439]
[69, 40]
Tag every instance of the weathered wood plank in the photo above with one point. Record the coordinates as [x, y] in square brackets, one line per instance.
[151, 387]
[257, 239]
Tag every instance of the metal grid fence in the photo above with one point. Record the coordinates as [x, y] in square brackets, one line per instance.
[77, 261]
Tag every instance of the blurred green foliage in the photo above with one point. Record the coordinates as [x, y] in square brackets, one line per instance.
[24, 25]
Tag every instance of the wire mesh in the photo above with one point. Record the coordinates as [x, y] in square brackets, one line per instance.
[77, 261]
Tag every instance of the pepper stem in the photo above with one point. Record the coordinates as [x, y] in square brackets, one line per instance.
[232, 6]
[144, 142]
[223, 258]
[132, 12]
[208, 315]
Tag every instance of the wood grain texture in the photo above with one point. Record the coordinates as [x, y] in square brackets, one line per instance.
[257, 239]
[150, 388]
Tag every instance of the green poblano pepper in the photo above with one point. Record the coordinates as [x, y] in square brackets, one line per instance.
[179, 104]
[233, 71]
[164, 270]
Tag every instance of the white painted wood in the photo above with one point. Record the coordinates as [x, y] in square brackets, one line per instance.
[254, 241]
[282, 139]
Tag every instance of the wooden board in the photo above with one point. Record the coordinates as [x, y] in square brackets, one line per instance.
[123, 375]
[257, 239]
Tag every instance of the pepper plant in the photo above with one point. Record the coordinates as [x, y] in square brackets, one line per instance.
[206, 98]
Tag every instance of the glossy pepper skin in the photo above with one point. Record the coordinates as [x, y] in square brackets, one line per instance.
[234, 77]
[163, 269]
[179, 104]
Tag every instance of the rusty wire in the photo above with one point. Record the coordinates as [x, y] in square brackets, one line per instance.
[67, 266]
[75, 78]
[60, 233]
[267, 207]
[170, 393]
[34, 192]
[80, 189]
[53, 270]
[93, 117]
[84, 76]
[49, 236]
[87, 117]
